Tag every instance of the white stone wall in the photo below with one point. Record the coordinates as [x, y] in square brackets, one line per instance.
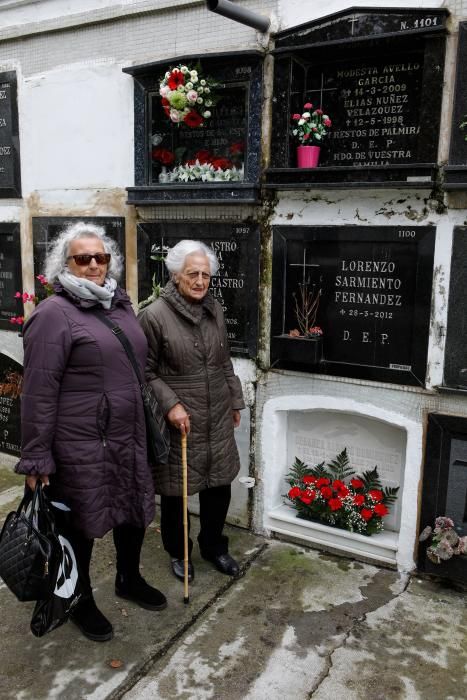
[76, 139]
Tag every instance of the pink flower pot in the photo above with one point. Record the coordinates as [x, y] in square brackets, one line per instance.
[307, 156]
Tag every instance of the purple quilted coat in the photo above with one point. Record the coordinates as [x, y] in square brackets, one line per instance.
[81, 412]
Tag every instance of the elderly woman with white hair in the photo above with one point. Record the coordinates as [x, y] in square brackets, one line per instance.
[191, 373]
[82, 418]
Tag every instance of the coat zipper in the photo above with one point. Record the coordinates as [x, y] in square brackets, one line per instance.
[208, 396]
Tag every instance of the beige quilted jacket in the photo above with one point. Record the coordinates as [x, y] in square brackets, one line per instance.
[189, 362]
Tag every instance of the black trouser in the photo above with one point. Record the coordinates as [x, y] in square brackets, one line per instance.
[213, 507]
[128, 540]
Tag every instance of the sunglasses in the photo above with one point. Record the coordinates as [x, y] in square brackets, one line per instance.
[83, 260]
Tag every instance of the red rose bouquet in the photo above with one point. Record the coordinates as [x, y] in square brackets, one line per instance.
[336, 496]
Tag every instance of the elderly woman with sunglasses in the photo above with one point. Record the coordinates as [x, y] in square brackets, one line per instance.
[83, 428]
[191, 373]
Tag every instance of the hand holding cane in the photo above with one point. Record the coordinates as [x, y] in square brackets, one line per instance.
[186, 598]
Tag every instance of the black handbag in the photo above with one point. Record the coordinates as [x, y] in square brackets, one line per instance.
[157, 430]
[27, 548]
[68, 587]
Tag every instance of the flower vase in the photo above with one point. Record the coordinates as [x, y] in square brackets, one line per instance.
[163, 175]
[307, 156]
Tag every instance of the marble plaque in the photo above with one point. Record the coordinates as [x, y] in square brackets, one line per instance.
[10, 275]
[10, 179]
[11, 380]
[371, 289]
[236, 284]
[46, 228]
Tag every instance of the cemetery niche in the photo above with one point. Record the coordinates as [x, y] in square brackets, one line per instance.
[455, 361]
[235, 287]
[46, 228]
[378, 76]
[10, 276]
[197, 129]
[11, 381]
[455, 173]
[10, 177]
[444, 490]
[352, 301]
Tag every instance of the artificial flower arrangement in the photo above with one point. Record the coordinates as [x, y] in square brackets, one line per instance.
[158, 253]
[47, 288]
[310, 127]
[205, 166]
[187, 96]
[336, 496]
[445, 542]
[306, 309]
[463, 125]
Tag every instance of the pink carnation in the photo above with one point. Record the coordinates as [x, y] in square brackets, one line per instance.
[307, 105]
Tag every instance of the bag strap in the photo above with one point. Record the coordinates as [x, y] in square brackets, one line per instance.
[120, 335]
[38, 506]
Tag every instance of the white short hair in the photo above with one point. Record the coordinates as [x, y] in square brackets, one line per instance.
[175, 259]
[56, 262]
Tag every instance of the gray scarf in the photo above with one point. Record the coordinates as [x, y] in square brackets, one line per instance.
[85, 289]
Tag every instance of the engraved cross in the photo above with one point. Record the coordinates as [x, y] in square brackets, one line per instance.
[352, 20]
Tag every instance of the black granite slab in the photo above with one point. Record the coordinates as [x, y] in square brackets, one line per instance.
[46, 228]
[455, 361]
[233, 132]
[11, 380]
[374, 285]
[10, 275]
[444, 490]
[455, 173]
[236, 285]
[408, 176]
[10, 173]
[362, 23]
[378, 74]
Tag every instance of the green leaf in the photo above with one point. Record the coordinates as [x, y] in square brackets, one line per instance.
[371, 480]
[340, 467]
[298, 471]
[390, 494]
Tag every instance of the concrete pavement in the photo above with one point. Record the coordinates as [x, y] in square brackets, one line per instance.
[297, 624]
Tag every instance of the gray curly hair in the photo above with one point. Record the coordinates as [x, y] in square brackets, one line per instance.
[59, 250]
[175, 258]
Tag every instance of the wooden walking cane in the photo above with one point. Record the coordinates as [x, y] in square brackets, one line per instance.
[186, 598]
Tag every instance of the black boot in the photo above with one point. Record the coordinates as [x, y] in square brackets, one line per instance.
[136, 589]
[92, 623]
[129, 583]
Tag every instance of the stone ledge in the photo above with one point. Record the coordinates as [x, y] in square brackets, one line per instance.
[381, 548]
